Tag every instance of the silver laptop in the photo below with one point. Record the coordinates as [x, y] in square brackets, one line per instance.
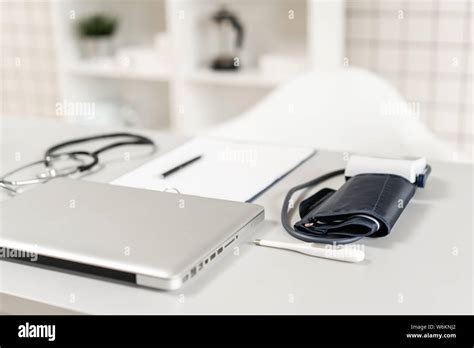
[150, 238]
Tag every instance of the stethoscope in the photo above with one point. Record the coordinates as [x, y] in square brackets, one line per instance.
[84, 160]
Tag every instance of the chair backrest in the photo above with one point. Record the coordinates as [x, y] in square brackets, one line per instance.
[345, 110]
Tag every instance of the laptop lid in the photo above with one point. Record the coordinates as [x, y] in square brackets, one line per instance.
[151, 238]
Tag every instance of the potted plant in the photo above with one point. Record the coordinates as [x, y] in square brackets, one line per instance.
[96, 32]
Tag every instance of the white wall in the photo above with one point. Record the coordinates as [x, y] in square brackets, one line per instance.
[29, 84]
[424, 48]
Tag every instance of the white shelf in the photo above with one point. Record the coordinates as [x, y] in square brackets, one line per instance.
[240, 78]
[186, 96]
[112, 70]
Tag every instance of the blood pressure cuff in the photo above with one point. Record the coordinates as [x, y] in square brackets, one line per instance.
[352, 209]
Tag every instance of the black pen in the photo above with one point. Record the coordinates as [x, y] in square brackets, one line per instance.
[182, 165]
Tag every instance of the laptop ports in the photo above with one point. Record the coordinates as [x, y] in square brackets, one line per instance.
[193, 271]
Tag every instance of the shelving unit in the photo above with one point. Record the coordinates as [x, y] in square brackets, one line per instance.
[187, 96]
[112, 70]
[245, 78]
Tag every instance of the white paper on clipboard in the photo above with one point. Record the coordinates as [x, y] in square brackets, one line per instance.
[236, 171]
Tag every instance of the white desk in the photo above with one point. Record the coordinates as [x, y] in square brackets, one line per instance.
[424, 266]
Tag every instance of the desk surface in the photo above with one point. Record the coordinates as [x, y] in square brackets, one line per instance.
[424, 266]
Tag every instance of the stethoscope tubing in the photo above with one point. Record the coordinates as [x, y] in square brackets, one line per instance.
[138, 140]
[51, 155]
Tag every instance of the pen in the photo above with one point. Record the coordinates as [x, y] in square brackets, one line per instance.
[180, 166]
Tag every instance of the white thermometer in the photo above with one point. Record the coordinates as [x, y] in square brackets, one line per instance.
[346, 253]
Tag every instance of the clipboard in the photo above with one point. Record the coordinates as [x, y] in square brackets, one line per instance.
[230, 170]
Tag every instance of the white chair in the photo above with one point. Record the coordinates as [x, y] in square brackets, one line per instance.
[349, 110]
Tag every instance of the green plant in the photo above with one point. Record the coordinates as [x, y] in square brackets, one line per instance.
[97, 25]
